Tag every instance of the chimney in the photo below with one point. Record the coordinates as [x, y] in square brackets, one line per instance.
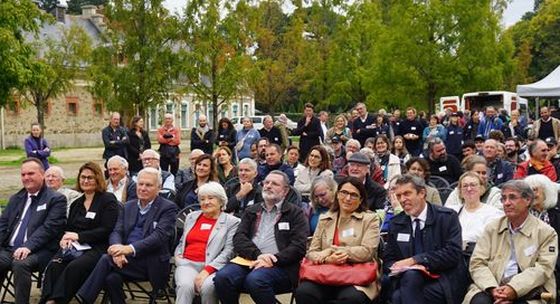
[88, 11]
[98, 20]
[60, 11]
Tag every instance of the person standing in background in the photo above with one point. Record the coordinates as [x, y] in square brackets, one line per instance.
[169, 139]
[309, 130]
[115, 138]
[37, 146]
[138, 142]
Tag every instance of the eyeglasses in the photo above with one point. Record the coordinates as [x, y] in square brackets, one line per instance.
[87, 177]
[510, 197]
[150, 158]
[344, 194]
[465, 186]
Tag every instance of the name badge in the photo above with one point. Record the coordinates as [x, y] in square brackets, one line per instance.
[275, 138]
[90, 215]
[451, 132]
[403, 237]
[42, 207]
[154, 224]
[442, 168]
[283, 226]
[500, 175]
[412, 128]
[529, 251]
[205, 226]
[251, 202]
[348, 232]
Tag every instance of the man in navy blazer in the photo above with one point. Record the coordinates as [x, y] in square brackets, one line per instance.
[140, 244]
[30, 228]
[427, 238]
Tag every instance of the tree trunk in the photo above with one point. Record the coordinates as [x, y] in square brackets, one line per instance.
[39, 104]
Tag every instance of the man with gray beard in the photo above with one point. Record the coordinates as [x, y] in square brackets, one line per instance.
[441, 163]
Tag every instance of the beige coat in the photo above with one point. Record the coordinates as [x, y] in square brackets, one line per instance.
[555, 127]
[536, 249]
[358, 237]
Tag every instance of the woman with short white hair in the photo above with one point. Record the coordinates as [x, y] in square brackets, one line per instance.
[205, 246]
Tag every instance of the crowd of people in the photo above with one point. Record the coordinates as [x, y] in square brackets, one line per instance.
[450, 208]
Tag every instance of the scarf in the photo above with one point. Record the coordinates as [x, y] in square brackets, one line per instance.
[538, 165]
[200, 131]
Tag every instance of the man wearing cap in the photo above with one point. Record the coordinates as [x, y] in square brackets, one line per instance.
[547, 126]
[500, 171]
[359, 167]
[454, 136]
[479, 143]
[339, 159]
[537, 163]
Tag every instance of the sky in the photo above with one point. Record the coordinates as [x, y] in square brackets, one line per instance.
[513, 13]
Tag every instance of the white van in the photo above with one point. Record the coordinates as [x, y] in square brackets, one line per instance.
[479, 100]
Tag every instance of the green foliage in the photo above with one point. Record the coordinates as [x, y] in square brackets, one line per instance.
[134, 66]
[16, 18]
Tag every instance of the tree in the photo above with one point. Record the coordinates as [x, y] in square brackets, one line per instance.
[215, 59]
[135, 65]
[56, 65]
[17, 17]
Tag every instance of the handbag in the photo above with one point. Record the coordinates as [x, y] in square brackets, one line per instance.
[65, 256]
[360, 274]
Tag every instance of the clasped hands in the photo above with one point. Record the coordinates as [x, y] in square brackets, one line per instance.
[408, 262]
[336, 257]
[119, 253]
[265, 260]
[503, 294]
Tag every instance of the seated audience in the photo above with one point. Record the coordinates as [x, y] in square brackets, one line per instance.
[537, 163]
[390, 164]
[348, 233]
[292, 159]
[500, 170]
[273, 161]
[139, 244]
[244, 191]
[150, 159]
[359, 167]
[421, 168]
[514, 259]
[323, 191]
[54, 178]
[269, 244]
[424, 239]
[186, 174]
[90, 221]
[316, 164]
[226, 169]
[205, 171]
[399, 149]
[442, 164]
[119, 183]
[205, 246]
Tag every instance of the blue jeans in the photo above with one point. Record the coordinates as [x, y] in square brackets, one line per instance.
[262, 284]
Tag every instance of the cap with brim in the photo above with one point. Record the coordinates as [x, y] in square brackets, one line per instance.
[359, 158]
[479, 138]
[551, 141]
[335, 139]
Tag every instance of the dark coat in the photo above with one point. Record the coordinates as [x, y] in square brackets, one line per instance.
[263, 171]
[291, 242]
[454, 141]
[37, 150]
[136, 146]
[157, 242]
[366, 129]
[238, 207]
[204, 143]
[502, 172]
[229, 136]
[274, 135]
[312, 138]
[450, 169]
[115, 142]
[443, 249]
[46, 224]
[414, 147]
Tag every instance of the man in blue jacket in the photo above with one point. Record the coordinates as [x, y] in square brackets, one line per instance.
[424, 249]
[30, 228]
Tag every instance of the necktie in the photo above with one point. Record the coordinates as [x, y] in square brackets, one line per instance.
[418, 243]
[18, 241]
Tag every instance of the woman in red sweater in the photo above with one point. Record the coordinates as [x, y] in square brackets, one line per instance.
[205, 246]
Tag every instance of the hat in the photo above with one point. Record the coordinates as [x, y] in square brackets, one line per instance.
[335, 139]
[359, 158]
[454, 114]
[479, 138]
[551, 141]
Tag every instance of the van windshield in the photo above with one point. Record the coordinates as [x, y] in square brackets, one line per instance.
[480, 102]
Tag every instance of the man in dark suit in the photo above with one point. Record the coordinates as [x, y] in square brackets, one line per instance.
[309, 131]
[363, 126]
[30, 228]
[424, 249]
[114, 138]
[139, 244]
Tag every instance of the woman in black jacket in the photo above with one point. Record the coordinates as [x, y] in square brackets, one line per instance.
[90, 221]
[139, 141]
[227, 136]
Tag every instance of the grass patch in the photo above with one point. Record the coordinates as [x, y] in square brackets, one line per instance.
[11, 152]
[17, 162]
[3, 202]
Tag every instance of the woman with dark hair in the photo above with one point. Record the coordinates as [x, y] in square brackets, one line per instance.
[204, 171]
[36, 145]
[292, 159]
[399, 149]
[434, 129]
[390, 163]
[420, 167]
[139, 141]
[316, 164]
[90, 221]
[348, 233]
[227, 135]
[226, 169]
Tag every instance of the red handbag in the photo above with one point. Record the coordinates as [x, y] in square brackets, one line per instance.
[360, 274]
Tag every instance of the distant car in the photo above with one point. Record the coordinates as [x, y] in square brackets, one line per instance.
[258, 122]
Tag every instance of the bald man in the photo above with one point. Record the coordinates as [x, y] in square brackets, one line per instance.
[169, 139]
[202, 137]
[115, 138]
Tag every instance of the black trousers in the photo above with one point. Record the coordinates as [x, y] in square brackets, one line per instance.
[310, 292]
[485, 298]
[170, 164]
[22, 270]
[413, 287]
[61, 281]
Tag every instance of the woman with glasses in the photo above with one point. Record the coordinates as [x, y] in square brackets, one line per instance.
[348, 233]
[316, 164]
[473, 214]
[90, 221]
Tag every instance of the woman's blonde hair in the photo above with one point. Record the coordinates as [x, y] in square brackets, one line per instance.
[475, 176]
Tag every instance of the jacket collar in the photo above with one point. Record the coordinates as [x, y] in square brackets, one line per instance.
[332, 215]
[405, 219]
[527, 228]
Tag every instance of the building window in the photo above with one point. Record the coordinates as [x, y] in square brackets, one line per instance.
[170, 107]
[235, 110]
[184, 115]
[98, 108]
[210, 116]
[153, 118]
[223, 112]
[72, 105]
[245, 110]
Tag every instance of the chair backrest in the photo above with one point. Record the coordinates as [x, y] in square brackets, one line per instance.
[180, 220]
[168, 194]
[438, 182]
[294, 196]
[444, 194]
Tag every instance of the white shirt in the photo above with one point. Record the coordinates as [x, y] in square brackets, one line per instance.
[118, 192]
[473, 223]
[422, 217]
[27, 204]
